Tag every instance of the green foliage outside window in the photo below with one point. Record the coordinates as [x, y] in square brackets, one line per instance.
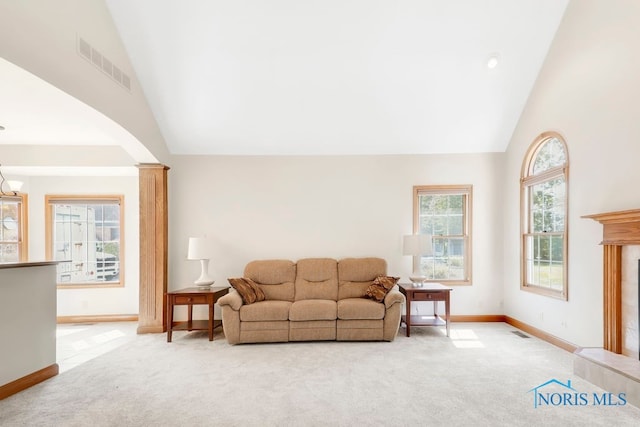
[442, 213]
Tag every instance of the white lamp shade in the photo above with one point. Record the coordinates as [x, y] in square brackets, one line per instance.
[199, 248]
[417, 244]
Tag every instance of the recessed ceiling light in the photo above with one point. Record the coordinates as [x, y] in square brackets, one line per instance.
[1, 127]
[493, 60]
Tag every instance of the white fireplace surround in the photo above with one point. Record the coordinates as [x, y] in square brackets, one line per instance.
[621, 234]
[629, 306]
[616, 367]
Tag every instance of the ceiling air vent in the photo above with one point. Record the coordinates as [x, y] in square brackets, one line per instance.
[100, 61]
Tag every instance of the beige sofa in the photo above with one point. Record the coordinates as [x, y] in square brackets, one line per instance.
[311, 300]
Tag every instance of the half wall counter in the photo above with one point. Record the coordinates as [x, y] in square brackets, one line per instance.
[27, 325]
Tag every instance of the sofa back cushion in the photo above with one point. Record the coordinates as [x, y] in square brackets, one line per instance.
[356, 274]
[275, 277]
[317, 278]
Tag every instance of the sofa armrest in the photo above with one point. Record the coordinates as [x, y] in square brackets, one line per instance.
[232, 299]
[393, 297]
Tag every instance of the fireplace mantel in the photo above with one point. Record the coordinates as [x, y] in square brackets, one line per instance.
[620, 228]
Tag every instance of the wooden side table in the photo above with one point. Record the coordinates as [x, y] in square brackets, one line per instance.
[190, 297]
[427, 292]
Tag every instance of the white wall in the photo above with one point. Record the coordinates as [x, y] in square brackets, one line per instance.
[588, 90]
[334, 206]
[99, 301]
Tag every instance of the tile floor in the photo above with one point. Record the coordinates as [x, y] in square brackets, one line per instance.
[80, 342]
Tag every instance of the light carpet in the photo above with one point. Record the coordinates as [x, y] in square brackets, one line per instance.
[481, 376]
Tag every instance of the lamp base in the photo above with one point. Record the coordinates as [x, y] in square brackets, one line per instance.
[417, 280]
[203, 285]
[204, 281]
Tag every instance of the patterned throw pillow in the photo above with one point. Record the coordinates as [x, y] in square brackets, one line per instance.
[380, 287]
[248, 289]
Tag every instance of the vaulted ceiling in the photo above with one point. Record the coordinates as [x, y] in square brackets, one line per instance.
[324, 77]
[335, 76]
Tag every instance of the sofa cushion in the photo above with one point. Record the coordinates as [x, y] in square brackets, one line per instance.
[381, 287]
[356, 274]
[275, 277]
[316, 278]
[360, 308]
[248, 289]
[265, 311]
[313, 309]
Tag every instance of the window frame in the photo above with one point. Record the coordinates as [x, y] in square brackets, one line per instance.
[527, 181]
[467, 191]
[23, 224]
[50, 200]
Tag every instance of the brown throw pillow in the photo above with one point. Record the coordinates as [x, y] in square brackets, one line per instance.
[380, 287]
[248, 289]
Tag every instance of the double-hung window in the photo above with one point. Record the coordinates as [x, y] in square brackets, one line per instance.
[444, 212]
[13, 228]
[84, 234]
[544, 216]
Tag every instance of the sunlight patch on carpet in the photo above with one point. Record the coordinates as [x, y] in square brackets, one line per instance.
[108, 336]
[80, 345]
[465, 338]
[65, 332]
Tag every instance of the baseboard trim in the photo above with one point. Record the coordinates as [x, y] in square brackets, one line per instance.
[98, 318]
[28, 380]
[538, 333]
[478, 318]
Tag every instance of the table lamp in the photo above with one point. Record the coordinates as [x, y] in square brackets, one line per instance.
[199, 250]
[417, 245]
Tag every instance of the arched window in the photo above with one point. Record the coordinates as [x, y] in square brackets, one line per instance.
[544, 216]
